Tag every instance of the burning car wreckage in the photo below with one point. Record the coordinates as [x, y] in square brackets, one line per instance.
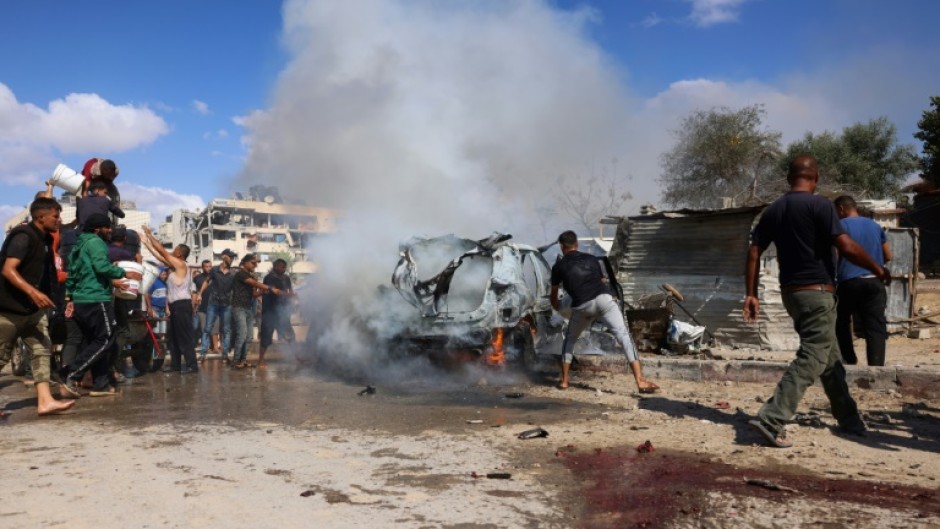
[490, 302]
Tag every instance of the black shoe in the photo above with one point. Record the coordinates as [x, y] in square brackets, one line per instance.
[858, 430]
[188, 370]
[169, 370]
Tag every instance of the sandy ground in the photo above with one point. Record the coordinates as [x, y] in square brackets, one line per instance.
[284, 449]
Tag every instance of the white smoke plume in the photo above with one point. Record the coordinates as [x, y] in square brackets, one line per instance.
[426, 118]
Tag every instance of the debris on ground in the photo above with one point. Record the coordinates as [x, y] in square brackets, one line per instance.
[722, 405]
[308, 493]
[878, 417]
[770, 485]
[533, 433]
[515, 395]
[645, 448]
[811, 419]
[368, 391]
[491, 475]
[475, 421]
[913, 410]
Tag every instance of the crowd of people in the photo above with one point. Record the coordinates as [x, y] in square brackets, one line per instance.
[58, 297]
[832, 269]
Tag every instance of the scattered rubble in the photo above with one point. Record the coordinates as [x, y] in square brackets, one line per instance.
[533, 433]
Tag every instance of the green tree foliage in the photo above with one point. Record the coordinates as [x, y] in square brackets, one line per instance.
[929, 133]
[721, 153]
[864, 161]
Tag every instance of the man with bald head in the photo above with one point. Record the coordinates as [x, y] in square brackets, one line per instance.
[805, 229]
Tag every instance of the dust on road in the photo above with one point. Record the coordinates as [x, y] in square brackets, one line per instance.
[286, 448]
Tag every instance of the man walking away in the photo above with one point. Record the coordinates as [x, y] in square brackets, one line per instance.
[805, 228]
[862, 296]
[89, 296]
[28, 273]
[275, 310]
[179, 302]
[591, 300]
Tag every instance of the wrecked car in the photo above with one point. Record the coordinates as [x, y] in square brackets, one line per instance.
[476, 299]
[483, 299]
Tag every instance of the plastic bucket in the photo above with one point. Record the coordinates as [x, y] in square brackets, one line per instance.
[133, 285]
[63, 176]
[151, 272]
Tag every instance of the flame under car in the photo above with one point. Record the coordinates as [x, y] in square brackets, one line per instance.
[476, 300]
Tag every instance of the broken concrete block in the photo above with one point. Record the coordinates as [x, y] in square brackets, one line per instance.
[919, 334]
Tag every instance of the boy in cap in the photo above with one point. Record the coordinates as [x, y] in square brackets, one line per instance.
[89, 300]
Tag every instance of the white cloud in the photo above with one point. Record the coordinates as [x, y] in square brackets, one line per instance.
[201, 107]
[159, 201]
[651, 20]
[707, 13]
[31, 137]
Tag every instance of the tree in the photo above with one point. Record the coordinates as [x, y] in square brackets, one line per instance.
[929, 133]
[865, 160]
[721, 153]
[588, 198]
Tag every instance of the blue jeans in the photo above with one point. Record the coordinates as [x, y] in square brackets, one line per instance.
[225, 327]
[242, 320]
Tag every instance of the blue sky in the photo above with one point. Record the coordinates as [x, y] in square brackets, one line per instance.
[368, 101]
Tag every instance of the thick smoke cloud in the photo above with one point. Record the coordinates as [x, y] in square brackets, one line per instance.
[426, 118]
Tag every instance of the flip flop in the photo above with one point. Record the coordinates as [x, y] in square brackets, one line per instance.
[778, 440]
[105, 393]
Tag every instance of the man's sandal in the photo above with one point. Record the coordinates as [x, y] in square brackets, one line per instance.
[775, 439]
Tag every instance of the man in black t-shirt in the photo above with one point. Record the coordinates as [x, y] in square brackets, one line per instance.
[28, 273]
[275, 310]
[805, 228]
[199, 305]
[220, 303]
[581, 275]
[243, 293]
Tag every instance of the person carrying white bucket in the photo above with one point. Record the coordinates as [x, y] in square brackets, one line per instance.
[89, 301]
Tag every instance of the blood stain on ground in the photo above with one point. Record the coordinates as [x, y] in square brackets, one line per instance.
[627, 489]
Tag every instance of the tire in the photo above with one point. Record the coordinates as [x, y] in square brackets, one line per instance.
[19, 363]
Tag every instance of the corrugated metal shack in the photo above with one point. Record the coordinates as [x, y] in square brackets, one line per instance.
[702, 254]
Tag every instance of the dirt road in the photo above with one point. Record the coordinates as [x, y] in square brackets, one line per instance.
[286, 448]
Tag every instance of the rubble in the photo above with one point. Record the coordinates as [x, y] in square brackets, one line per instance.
[532, 434]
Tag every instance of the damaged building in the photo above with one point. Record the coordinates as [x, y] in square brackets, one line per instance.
[702, 254]
[260, 223]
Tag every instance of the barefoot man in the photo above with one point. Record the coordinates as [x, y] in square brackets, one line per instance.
[591, 300]
[25, 295]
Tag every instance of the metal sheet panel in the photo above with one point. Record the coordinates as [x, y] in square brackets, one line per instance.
[702, 254]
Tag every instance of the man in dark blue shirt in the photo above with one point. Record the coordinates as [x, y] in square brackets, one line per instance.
[805, 228]
[591, 299]
[862, 296]
[221, 278]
